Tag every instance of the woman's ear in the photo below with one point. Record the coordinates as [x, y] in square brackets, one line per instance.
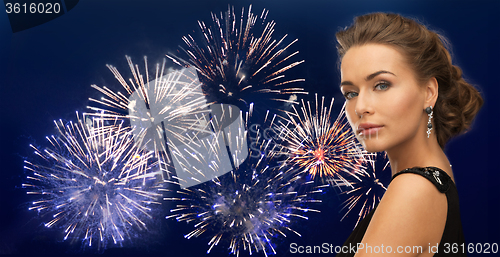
[431, 92]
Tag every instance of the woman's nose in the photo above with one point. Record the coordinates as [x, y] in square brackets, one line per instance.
[363, 104]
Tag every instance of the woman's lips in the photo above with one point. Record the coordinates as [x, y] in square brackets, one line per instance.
[368, 129]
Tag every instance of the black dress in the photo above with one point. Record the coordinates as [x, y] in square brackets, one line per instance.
[452, 242]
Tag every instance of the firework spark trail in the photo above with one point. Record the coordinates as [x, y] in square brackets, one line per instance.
[317, 145]
[239, 57]
[200, 156]
[248, 208]
[95, 183]
[364, 189]
[168, 106]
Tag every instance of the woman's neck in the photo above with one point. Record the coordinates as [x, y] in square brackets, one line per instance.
[420, 151]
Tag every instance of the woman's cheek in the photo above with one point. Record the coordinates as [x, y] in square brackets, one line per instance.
[351, 114]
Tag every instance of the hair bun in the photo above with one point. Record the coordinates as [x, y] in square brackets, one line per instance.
[469, 100]
[456, 72]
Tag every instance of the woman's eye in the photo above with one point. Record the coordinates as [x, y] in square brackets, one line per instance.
[382, 86]
[350, 95]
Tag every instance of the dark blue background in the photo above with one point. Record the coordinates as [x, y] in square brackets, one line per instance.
[46, 73]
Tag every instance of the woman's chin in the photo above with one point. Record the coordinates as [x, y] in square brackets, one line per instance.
[372, 147]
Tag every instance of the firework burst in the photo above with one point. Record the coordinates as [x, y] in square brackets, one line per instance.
[364, 188]
[238, 58]
[95, 184]
[159, 110]
[318, 146]
[201, 156]
[251, 206]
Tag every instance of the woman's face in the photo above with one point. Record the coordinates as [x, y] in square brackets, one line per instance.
[384, 102]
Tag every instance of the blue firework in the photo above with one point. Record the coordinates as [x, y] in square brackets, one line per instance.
[249, 208]
[93, 183]
[364, 188]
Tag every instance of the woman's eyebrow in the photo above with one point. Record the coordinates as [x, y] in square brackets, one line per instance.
[369, 77]
[373, 75]
[346, 83]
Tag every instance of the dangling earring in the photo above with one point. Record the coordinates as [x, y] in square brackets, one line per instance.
[429, 112]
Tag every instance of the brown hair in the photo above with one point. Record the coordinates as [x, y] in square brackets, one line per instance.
[426, 51]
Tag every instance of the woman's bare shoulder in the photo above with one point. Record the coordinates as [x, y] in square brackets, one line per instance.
[411, 213]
